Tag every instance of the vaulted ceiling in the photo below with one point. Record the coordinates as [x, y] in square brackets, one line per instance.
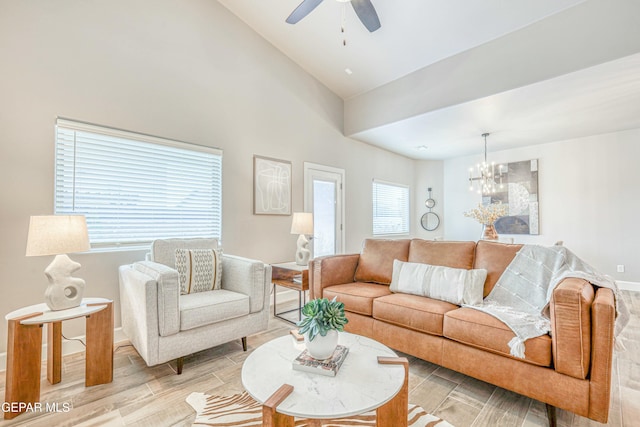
[439, 73]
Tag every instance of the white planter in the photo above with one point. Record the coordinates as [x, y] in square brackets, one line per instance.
[322, 347]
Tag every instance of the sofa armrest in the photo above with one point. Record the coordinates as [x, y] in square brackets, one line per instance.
[331, 270]
[249, 277]
[570, 312]
[603, 315]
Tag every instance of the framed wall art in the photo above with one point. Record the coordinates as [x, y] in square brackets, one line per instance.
[271, 186]
[520, 194]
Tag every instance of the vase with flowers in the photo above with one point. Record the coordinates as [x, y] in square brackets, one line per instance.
[487, 215]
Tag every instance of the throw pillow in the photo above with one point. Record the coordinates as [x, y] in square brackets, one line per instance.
[199, 270]
[455, 285]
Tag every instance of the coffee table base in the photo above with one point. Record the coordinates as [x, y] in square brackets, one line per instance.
[394, 413]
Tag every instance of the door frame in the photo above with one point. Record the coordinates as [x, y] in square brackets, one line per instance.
[308, 197]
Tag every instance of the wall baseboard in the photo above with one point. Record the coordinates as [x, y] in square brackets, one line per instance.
[69, 346]
[628, 286]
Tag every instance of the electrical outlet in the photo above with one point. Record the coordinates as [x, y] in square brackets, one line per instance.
[620, 268]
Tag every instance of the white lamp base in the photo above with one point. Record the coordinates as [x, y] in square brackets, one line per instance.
[303, 254]
[64, 291]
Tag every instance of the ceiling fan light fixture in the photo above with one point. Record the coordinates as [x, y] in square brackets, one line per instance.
[364, 9]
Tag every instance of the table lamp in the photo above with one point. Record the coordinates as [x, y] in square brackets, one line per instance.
[58, 235]
[302, 224]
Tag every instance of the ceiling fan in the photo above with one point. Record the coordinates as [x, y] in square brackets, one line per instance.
[364, 9]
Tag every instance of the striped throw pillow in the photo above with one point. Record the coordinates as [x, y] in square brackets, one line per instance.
[199, 270]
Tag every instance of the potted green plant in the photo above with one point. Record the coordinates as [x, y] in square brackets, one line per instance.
[322, 321]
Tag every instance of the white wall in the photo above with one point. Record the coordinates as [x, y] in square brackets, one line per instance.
[589, 198]
[428, 174]
[190, 71]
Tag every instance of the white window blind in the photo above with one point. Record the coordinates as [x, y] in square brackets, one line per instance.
[135, 188]
[390, 208]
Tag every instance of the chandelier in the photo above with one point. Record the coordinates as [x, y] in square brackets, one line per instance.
[488, 181]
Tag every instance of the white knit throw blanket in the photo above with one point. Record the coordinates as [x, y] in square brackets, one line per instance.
[521, 296]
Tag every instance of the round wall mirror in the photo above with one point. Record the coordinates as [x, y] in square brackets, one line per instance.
[430, 221]
[430, 203]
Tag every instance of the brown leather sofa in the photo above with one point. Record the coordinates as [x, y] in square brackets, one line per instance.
[568, 369]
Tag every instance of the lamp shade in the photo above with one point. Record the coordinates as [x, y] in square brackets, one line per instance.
[302, 223]
[57, 234]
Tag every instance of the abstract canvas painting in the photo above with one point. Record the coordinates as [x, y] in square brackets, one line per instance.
[519, 191]
[271, 186]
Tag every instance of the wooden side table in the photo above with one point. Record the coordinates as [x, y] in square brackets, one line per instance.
[292, 276]
[24, 349]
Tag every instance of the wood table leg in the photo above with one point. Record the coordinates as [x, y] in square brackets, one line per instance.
[24, 355]
[394, 413]
[271, 418]
[54, 352]
[99, 356]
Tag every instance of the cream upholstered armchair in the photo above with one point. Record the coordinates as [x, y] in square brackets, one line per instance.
[164, 324]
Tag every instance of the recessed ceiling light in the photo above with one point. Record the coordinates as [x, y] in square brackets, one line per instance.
[422, 148]
[348, 71]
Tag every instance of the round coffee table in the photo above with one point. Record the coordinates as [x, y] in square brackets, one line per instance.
[361, 384]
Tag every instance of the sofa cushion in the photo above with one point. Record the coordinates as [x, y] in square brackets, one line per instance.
[205, 308]
[414, 312]
[376, 260]
[494, 257]
[481, 330]
[358, 296]
[199, 270]
[455, 285]
[448, 254]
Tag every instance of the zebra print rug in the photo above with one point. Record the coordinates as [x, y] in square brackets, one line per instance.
[242, 410]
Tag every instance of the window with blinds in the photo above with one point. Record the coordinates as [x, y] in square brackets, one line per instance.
[135, 188]
[390, 208]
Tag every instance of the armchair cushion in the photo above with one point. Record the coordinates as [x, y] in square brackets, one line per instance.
[199, 270]
[205, 308]
[164, 250]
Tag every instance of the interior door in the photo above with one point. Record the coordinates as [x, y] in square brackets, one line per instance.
[324, 196]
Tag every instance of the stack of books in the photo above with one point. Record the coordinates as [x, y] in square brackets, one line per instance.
[328, 367]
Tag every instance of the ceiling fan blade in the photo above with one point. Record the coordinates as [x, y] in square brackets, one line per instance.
[367, 14]
[302, 10]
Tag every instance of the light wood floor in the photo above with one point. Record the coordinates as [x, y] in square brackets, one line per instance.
[155, 396]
